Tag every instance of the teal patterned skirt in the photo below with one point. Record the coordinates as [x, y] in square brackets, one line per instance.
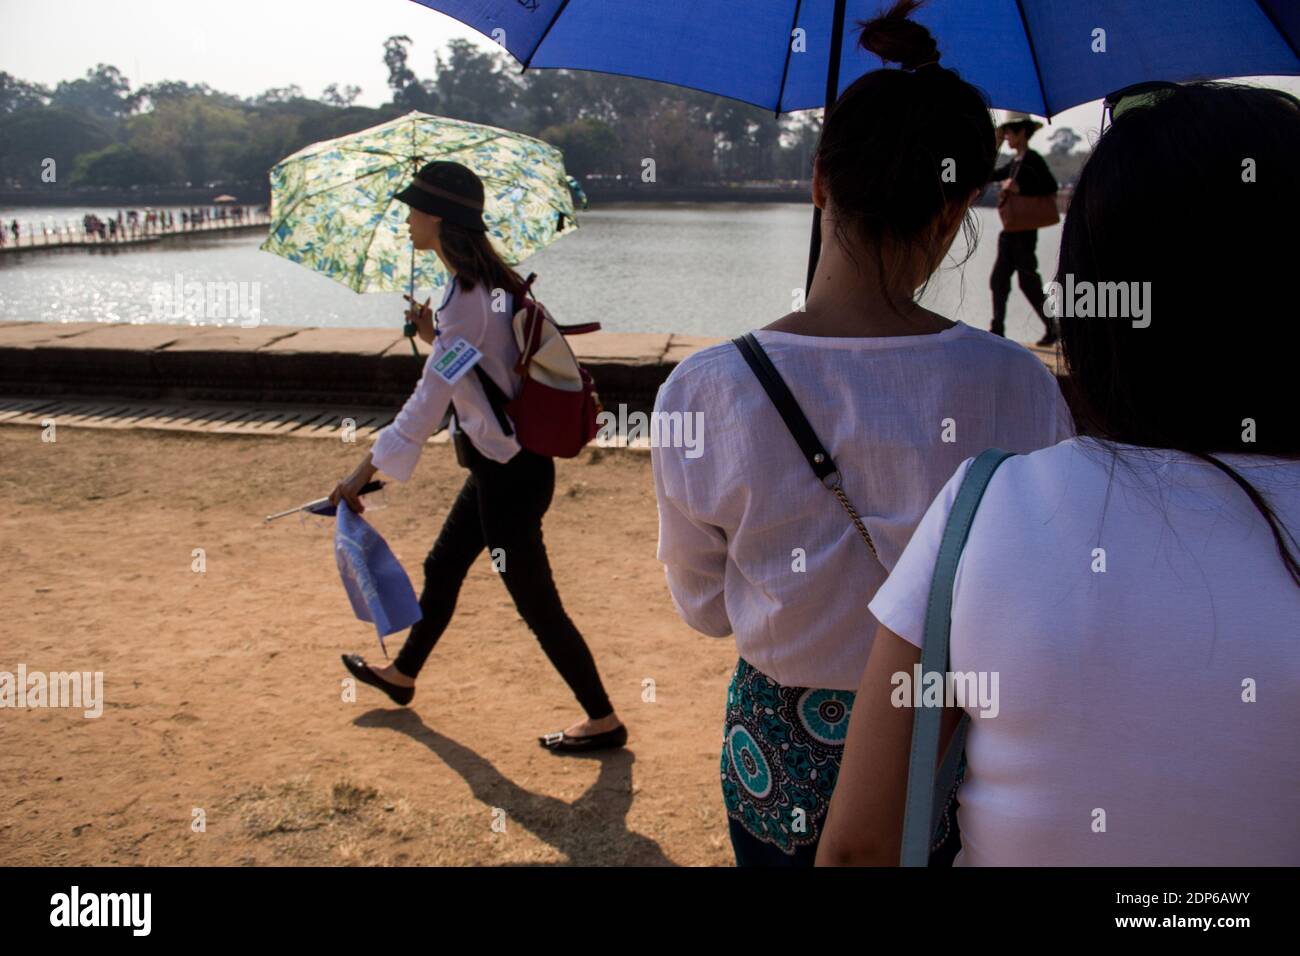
[781, 753]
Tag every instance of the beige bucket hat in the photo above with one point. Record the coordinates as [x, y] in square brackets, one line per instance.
[1014, 118]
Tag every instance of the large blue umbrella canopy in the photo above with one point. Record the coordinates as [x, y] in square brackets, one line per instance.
[1039, 56]
[1031, 55]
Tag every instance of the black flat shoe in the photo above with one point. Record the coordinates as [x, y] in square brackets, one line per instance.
[362, 672]
[562, 743]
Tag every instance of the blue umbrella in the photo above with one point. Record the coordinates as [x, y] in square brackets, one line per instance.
[1038, 56]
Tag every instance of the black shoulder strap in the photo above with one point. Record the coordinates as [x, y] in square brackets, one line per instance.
[818, 458]
[496, 398]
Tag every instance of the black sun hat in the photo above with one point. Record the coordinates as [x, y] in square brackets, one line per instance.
[447, 190]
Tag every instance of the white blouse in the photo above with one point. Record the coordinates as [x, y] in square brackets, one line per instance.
[468, 315]
[1145, 635]
[753, 544]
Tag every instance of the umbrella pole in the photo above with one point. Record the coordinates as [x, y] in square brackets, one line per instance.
[832, 92]
[410, 285]
[410, 292]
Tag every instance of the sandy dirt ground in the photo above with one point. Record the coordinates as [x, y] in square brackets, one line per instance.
[223, 690]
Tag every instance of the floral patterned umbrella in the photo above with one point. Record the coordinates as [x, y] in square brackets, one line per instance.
[332, 205]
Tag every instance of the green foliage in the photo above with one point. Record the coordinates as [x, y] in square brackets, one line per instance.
[151, 94]
[17, 95]
[173, 132]
[30, 136]
[589, 146]
[103, 93]
[408, 91]
[472, 84]
[118, 165]
[198, 140]
[343, 98]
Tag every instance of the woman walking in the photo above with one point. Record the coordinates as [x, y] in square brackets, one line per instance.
[509, 487]
[894, 397]
[1135, 590]
[1026, 174]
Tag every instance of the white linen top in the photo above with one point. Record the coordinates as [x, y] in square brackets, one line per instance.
[734, 521]
[466, 315]
[1122, 691]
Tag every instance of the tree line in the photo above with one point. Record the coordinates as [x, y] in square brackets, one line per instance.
[102, 132]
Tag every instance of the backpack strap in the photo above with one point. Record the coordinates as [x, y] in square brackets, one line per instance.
[532, 336]
[923, 778]
[496, 398]
[497, 401]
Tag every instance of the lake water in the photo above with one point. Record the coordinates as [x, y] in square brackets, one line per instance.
[701, 269]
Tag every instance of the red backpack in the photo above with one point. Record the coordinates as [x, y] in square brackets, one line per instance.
[555, 413]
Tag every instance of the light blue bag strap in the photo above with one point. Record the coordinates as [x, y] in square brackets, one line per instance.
[923, 779]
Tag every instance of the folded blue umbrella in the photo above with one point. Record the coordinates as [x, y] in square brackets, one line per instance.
[377, 586]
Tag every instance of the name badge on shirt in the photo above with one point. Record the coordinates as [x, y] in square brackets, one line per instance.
[459, 358]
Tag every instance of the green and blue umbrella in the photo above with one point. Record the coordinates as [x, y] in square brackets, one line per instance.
[333, 211]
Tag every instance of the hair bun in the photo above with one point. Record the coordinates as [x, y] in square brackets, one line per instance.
[895, 38]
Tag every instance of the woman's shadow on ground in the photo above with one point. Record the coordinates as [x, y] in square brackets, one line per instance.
[590, 831]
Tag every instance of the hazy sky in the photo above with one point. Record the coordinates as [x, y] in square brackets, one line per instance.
[247, 46]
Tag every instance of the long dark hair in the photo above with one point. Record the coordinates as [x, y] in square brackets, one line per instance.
[1189, 193]
[474, 260]
[899, 145]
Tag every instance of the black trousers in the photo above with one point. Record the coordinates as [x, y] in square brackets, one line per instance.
[1017, 254]
[500, 506]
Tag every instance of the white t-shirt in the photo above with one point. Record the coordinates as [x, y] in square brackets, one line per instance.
[469, 316]
[754, 544]
[1121, 691]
